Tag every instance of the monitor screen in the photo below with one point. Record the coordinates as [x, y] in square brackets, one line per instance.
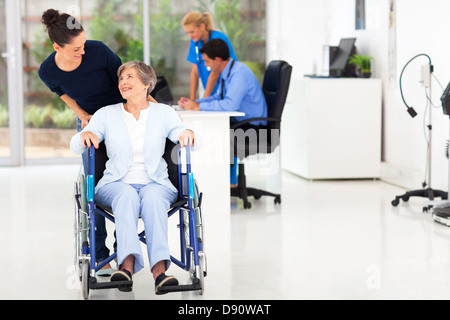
[342, 54]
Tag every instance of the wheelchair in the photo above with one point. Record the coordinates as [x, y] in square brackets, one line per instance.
[192, 256]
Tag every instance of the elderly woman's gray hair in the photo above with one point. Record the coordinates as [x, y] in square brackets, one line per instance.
[144, 72]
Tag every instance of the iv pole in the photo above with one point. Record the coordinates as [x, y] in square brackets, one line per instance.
[428, 192]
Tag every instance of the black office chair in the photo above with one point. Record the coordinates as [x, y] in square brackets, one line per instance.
[275, 87]
[161, 92]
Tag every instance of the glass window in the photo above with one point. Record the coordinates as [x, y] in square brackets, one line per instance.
[5, 151]
[50, 123]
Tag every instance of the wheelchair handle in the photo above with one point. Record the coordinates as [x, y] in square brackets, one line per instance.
[91, 160]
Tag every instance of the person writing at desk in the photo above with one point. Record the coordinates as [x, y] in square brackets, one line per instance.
[199, 27]
[239, 89]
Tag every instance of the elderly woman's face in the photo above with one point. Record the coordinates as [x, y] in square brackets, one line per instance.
[130, 85]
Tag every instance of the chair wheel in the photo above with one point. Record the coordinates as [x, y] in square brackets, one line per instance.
[247, 205]
[277, 200]
[85, 268]
[257, 197]
[395, 202]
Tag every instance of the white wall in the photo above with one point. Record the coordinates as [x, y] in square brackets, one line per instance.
[297, 29]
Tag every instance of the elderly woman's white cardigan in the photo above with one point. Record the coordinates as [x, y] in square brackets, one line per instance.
[108, 124]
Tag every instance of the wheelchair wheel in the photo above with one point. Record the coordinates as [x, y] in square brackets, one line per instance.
[80, 222]
[77, 223]
[200, 233]
[200, 271]
[84, 208]
[76, 230]
[85, 269]
[198, 213]
[200, 275]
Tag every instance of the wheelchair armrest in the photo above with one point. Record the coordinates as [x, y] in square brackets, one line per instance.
[237, 125]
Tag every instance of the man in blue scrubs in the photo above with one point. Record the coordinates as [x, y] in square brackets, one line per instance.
[239, 89]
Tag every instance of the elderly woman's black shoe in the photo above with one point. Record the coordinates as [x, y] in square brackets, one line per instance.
[164, 281]
[122, 275]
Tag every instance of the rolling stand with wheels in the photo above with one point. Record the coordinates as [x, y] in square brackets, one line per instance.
[429, 193]
[425, 193]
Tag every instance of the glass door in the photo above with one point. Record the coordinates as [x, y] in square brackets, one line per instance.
[5, 151]
[11, 93]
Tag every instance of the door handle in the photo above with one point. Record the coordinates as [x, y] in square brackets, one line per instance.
[11, 55]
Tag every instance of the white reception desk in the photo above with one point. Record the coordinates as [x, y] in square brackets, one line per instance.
[331, 128]
[211, 162]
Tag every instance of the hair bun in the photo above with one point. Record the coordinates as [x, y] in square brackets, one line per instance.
[50, 17]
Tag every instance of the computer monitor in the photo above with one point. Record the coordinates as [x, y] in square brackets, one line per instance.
[339, 63]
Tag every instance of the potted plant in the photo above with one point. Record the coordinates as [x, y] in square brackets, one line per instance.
[363, 62]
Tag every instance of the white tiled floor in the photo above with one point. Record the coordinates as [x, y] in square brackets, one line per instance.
[327, 240]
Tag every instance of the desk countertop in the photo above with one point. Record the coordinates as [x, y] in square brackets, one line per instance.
[211, 161]
[192, 114]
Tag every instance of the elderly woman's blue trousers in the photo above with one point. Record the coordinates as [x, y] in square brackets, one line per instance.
[128, 202]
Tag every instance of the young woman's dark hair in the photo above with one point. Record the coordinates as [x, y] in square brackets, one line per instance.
[216, 48]
[61, 27]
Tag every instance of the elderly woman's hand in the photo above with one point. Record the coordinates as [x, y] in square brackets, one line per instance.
[88, 138]
[186, 138]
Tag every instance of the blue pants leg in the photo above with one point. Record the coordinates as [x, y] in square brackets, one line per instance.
[155, 202]
[152, 202]
[124, 201]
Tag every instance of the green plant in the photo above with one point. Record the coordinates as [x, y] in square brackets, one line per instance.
[38, 117]
[166, 39]
[64, 119]
[103, 26]
[128, 48]
[257, 69]
[363, 61]
[228, 19]
[4, 116]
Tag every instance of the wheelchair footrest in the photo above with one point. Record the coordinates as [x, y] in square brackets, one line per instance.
[94, 285]
[188, 287]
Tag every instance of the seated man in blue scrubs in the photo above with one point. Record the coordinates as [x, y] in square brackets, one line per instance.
[239, 90]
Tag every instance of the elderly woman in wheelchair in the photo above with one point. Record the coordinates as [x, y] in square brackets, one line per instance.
[135, 182]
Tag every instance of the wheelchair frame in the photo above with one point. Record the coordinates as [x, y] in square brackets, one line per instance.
[192, 255]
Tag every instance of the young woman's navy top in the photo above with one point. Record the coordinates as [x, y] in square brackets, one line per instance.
[94, 84]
